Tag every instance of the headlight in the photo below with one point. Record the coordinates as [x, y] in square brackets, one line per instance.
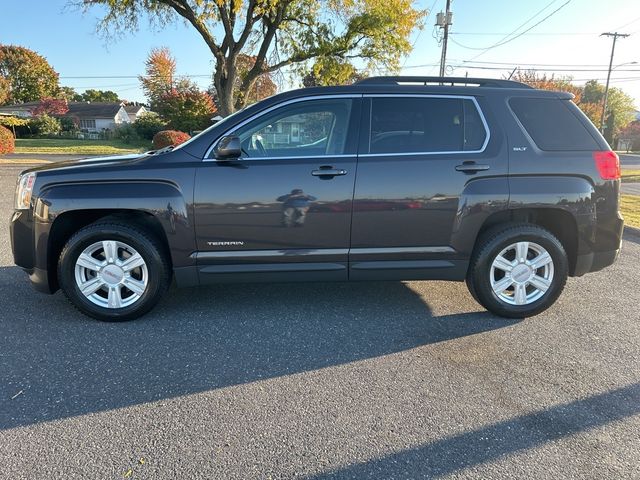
[24, 189]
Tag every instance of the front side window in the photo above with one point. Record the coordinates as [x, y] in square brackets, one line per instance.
[308, 128]
[425, 125]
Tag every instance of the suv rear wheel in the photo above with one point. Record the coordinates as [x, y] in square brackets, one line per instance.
[113, 271]
[518, 270]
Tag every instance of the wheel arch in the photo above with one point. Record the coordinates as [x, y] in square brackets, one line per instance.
[561, 223]
[69, 222]
[157, 207]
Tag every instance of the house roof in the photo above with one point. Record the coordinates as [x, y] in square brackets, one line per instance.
[133, 108]
[21, 107]
[94, 109]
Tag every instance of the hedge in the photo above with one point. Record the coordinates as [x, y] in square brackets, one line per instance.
[169, 137]
[7, 142]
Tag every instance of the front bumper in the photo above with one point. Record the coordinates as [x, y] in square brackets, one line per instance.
[21, 232]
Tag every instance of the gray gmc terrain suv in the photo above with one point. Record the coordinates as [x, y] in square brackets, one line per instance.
[393, 178]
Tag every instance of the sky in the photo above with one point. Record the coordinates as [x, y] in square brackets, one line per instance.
[568, 40]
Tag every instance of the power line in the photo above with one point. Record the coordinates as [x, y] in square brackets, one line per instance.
[626, 24]
[420, 31]
[538, 64]
[505, 40]
[529, 33]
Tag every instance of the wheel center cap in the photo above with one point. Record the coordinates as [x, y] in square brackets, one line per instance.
[112, 274]
[521, 273]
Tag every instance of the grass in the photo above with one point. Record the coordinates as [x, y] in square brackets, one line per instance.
[630, 208]
[78, 147]
[630, 176]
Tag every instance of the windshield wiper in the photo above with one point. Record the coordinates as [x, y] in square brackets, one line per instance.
[161, 150]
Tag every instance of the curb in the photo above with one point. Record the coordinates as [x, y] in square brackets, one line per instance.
[632, 232]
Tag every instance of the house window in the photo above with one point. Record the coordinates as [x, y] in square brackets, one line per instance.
[88, 123]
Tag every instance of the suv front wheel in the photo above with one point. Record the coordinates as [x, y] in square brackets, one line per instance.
[518, 270]
[113, 271]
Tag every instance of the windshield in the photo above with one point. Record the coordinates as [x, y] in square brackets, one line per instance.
[208, 129]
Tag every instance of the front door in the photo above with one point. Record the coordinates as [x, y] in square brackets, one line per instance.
[283, 210]
[417, 157]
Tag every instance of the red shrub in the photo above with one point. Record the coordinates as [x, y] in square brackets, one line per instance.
[169, 137]
[7, 142]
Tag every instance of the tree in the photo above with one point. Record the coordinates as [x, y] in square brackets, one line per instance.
[4, 90]
[620, 107]
[278, 33]
[29, 75]
[45, 125]
[328, 71]
[92, 95]
[51, 106]
[186, 107]
[148, 124]
[263, 87]
[160, 71]
[178, 101]
[632, 132]
[69, 94]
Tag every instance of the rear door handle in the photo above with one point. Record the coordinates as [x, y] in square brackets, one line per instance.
[328, 172]
[471, 167]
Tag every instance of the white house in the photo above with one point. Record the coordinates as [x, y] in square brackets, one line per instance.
[90, 116]
[97, 116]
[134, 111]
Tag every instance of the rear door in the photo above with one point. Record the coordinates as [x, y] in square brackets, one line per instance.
[418, 154]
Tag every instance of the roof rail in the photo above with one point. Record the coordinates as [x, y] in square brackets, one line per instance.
[480, 82]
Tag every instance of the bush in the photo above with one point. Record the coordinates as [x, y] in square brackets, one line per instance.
[126, 132]
[45, 125]
[68, 125]
[7, 142]
[148, 124]
[169, 137]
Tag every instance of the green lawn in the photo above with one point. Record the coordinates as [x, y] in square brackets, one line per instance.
[630, 176]
[78, 147]
[630, 208]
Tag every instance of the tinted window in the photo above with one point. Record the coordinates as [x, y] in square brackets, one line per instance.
[314, 127]
[552, 125]
[415, 124]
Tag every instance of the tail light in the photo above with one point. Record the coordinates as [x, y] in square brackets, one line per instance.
[608, 164]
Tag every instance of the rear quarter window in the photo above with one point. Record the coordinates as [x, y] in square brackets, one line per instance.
[552, 125]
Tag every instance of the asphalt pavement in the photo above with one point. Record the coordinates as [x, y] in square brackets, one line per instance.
[629, 160]
[385, 380]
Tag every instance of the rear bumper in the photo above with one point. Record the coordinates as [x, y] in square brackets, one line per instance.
[594, 261]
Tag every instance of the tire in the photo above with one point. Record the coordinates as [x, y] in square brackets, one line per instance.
[508, 286]
[123, 269]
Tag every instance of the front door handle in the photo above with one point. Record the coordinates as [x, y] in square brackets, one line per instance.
[328, 171]
[471, 167]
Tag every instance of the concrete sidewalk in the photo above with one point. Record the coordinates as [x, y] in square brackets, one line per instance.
[42, 157]
[630, 188]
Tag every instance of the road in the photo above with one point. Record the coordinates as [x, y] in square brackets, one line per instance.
[630, 161]
[322, 381]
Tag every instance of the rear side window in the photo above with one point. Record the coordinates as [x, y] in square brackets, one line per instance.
[552, 125]
[425, 125]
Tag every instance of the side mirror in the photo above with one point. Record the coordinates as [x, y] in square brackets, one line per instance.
[228, 148]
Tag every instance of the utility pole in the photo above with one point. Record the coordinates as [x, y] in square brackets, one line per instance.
[615, 36]
[444, 20]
